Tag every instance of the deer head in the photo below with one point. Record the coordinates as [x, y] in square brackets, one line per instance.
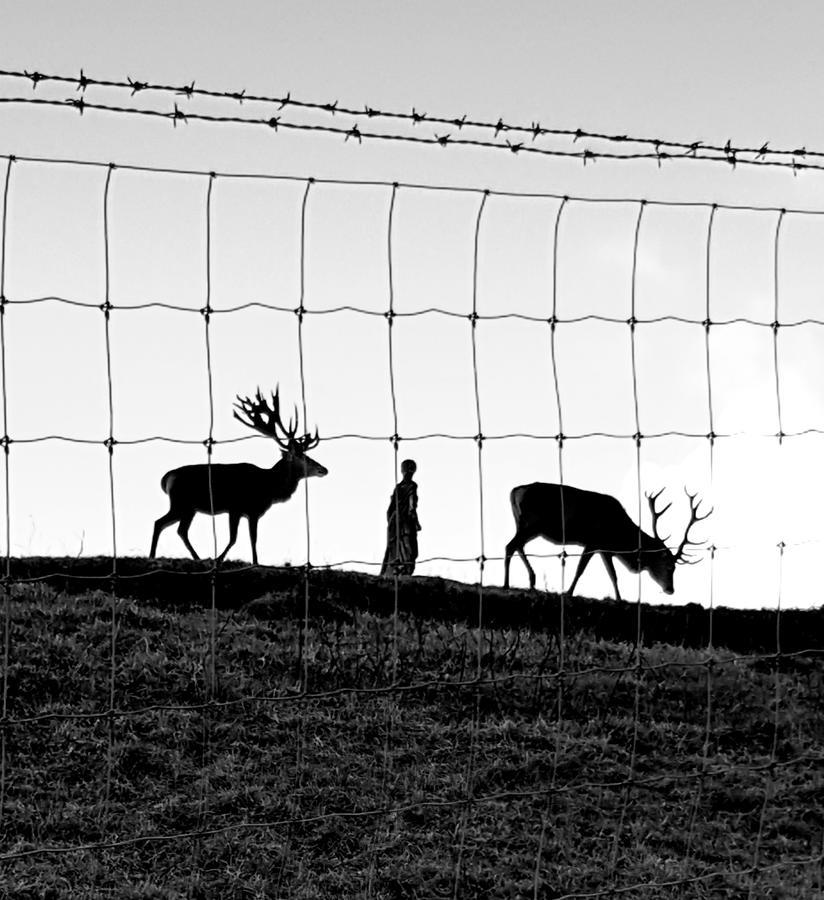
[661, 562]
[265, 418]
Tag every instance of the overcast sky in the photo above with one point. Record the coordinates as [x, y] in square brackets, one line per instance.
[746, 72]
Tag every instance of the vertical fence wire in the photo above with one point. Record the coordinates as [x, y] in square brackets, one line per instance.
[769, 777]
[709, 663]
[210, 440]
[209, 667]
[638, 658]
[479, 439]
[5, 441]
[302, 673]
[390, 699]
[300, 312]
[559, 674]
[109, 443]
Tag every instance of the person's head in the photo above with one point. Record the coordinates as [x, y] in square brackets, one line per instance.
[408, 468]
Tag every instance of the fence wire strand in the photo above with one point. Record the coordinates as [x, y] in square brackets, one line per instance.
[110, 442]
[560, 672]
[658, 150]
[534, 130]
[705, 750]
[7, 623]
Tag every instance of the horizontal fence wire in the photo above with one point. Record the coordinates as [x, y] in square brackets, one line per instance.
[116, 712]
[422, 186]
[658, 149]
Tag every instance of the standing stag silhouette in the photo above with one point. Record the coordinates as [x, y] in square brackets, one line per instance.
[240, 489]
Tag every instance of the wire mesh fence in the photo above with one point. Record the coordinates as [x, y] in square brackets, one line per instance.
[460, 735]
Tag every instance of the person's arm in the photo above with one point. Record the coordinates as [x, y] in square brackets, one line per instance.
[413, 507]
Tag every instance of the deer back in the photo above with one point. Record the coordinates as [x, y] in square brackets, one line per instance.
[234, 487]
[561, 513]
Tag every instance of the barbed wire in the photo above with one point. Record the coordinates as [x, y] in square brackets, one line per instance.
[662, 149]
[303, 695]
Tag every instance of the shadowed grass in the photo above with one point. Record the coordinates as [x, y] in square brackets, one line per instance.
[365, 787]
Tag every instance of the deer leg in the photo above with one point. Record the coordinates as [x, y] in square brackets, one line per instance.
[516, 545]
[234, 521]
[583, 562]
[253, 524]
[160, 524]
[183, 531]
[610, 567]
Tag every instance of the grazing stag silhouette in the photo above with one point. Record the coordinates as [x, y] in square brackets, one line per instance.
[240, 489]
[598, 522]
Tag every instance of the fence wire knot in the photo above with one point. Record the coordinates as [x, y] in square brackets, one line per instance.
[109, 444]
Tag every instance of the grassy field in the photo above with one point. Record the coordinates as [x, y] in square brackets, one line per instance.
[364, 758]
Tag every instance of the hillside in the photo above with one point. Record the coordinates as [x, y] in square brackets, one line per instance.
[389, 756]
[337, 594]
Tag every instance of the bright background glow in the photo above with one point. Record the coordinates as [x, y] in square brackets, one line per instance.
[56, 364]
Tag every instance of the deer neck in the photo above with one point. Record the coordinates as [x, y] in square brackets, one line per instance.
[649, 544]
[286, 475]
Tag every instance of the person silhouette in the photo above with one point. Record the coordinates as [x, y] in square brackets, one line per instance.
[402, 525]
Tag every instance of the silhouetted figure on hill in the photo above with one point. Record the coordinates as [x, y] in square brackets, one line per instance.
[402, 525]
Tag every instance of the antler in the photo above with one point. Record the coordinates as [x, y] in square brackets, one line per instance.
[694, 518]
[656, 515]
[308, 441]
[266, 419]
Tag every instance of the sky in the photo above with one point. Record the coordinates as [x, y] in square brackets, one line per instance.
[747, 72]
